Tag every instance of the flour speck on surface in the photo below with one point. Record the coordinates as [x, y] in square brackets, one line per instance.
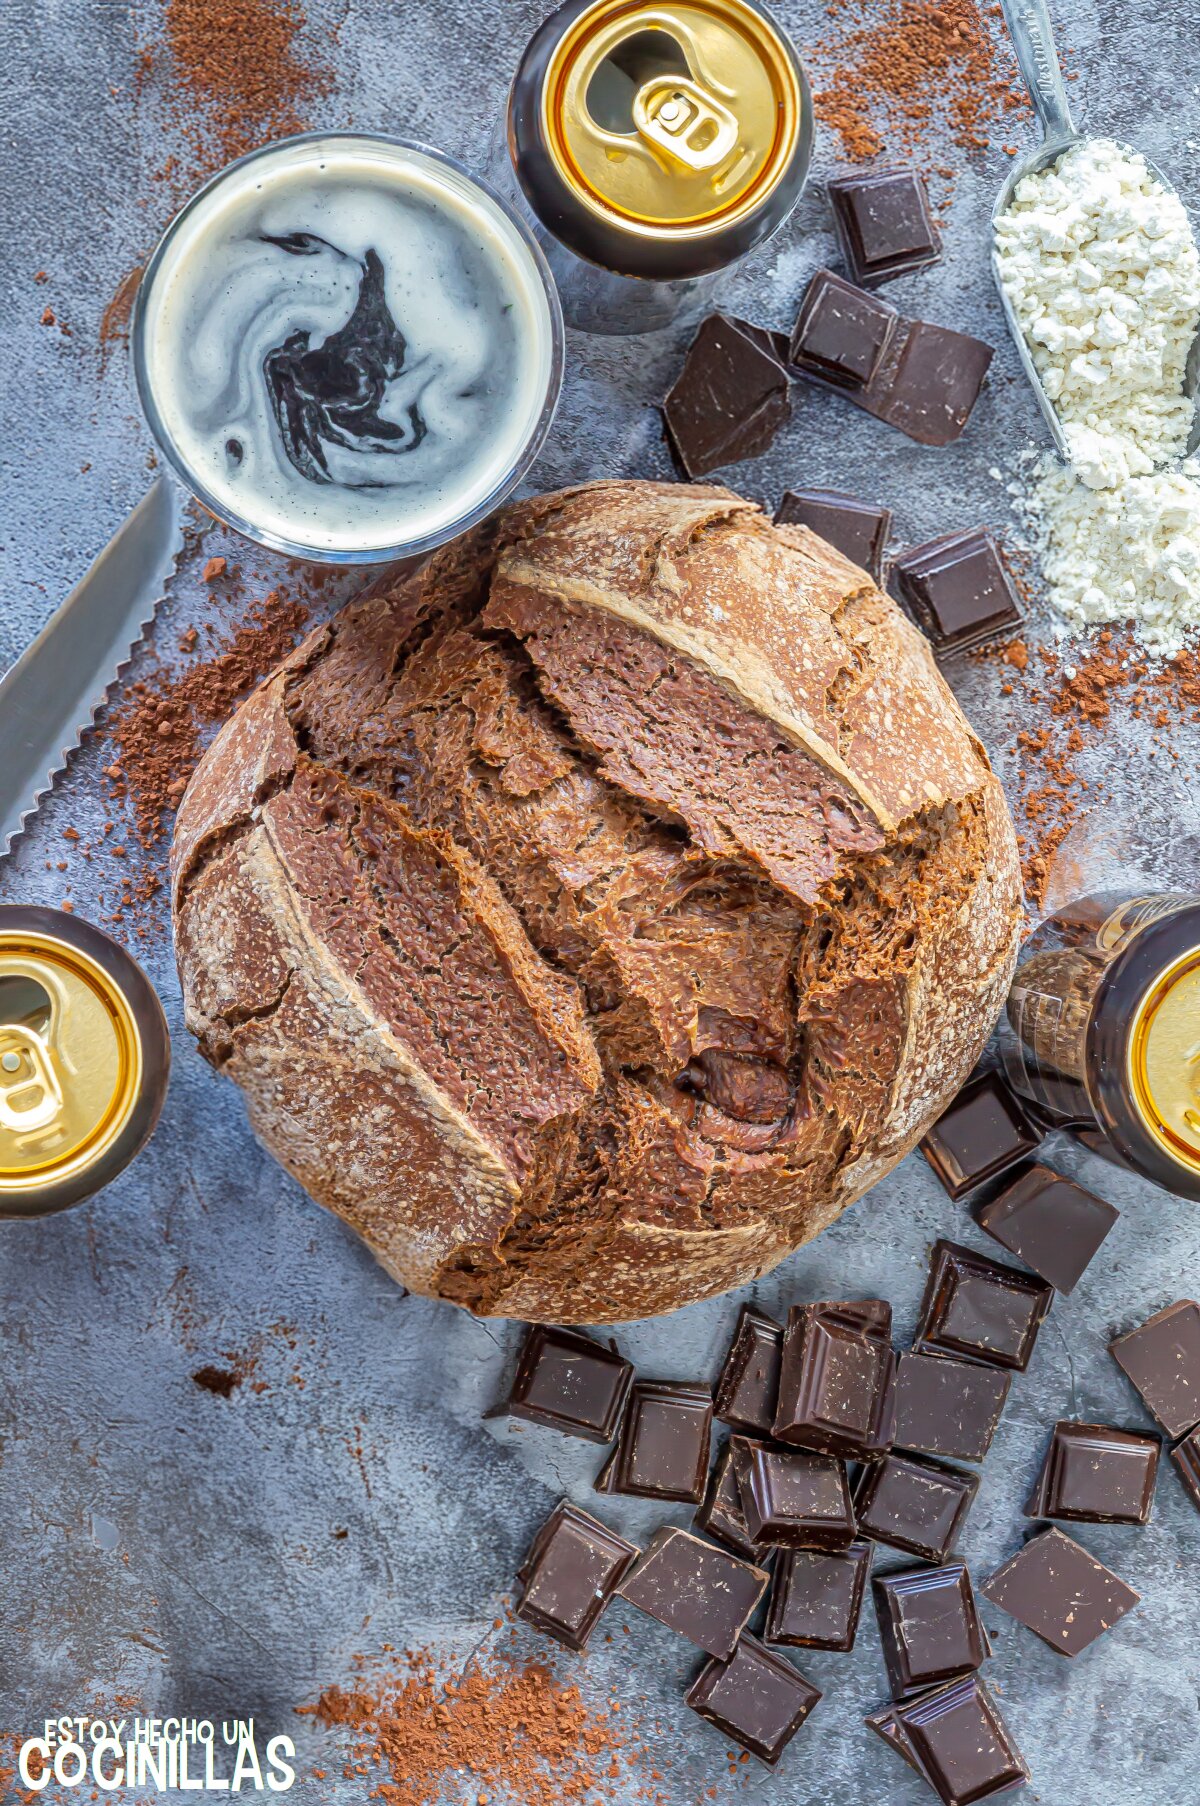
[1101, 265]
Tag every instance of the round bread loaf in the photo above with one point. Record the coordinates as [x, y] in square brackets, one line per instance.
[591, 918]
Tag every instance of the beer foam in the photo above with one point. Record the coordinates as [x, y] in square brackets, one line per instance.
[347, 344]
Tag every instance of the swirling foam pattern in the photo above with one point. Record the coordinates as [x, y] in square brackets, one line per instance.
[347, 351]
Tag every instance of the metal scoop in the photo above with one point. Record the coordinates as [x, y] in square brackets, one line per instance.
[1028, 22]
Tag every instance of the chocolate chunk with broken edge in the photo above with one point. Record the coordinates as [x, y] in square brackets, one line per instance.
[979, 1135]
[884, 224]
[957, 590]
[836, 1383]
[948, 1407]
[858, 530]
[721, 1515]
[1057, 1590]
[929, 1626]
[570, 1383]
[1052, 1224]
[663, 1448]
[793, 1498]
[756, 1698]
[883, 1723]
[816, 1597]
[914, 1504]
[749, 1382]
[767, 338]
[1095, 1475]
[960, 1742]
[1162, 1360]
[1186, 1456]
[696, 1589]
[841, 332]
[572, 1570]
[729, 400]
[977, 1308]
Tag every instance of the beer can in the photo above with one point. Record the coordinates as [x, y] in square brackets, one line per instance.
[84, 1060]
[1102, 1031]
[654, 146]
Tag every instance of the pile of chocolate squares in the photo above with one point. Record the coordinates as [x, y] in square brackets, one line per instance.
[735, 391]
[838, 1444]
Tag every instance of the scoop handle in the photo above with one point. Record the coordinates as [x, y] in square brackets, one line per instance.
[1029, 25]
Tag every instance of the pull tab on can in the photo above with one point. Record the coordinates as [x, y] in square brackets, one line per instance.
[31, 1095]
[685, 122]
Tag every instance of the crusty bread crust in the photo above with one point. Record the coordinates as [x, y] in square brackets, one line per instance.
[589, 919]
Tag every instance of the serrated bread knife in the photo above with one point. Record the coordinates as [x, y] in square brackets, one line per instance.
[52, 693]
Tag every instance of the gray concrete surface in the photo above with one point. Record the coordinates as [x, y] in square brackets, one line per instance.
[173, 1548]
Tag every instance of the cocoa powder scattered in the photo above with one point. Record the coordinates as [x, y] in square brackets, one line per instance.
[892, 74]
[10, 1745]
[235, 74]
[114, 321]
[1072, 693]
[157, 728]
[506, 1729]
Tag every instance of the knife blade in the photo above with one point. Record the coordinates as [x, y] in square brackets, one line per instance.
[53, 692]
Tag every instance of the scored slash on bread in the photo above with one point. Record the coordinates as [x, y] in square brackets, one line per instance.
[591, 917]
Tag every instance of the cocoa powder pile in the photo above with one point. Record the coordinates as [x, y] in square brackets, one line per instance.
[236, 73]
[892, 74]
[157, 729]
[505, 1730]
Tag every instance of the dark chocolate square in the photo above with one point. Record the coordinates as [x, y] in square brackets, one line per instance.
[841, 333]
[729, 400]
[858, 530]
[574, 1566]
[929, 1625]
[571, 1383]
[914, 1504]
[960, 1743]
[1060, 1592]
[836, 1382]
[1095, 1475]
[948, 1407]
[749, 1382]
[816, 1597]
[692, 1587]
[792, 1498]
[1162, 1359]
[664, 1443]
[757, 1698]
[1186, 1456]
[1050, 1223]
[957, 590]
[936, 380]
[978, 1308]
[980, 1135]
[884, 224]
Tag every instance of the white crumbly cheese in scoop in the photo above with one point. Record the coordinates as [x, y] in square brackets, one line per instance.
[1101, 266]
[1131, 553]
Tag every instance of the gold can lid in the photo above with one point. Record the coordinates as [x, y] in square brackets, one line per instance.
[1164, 1059]
[70, 1062]
[672, 120]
